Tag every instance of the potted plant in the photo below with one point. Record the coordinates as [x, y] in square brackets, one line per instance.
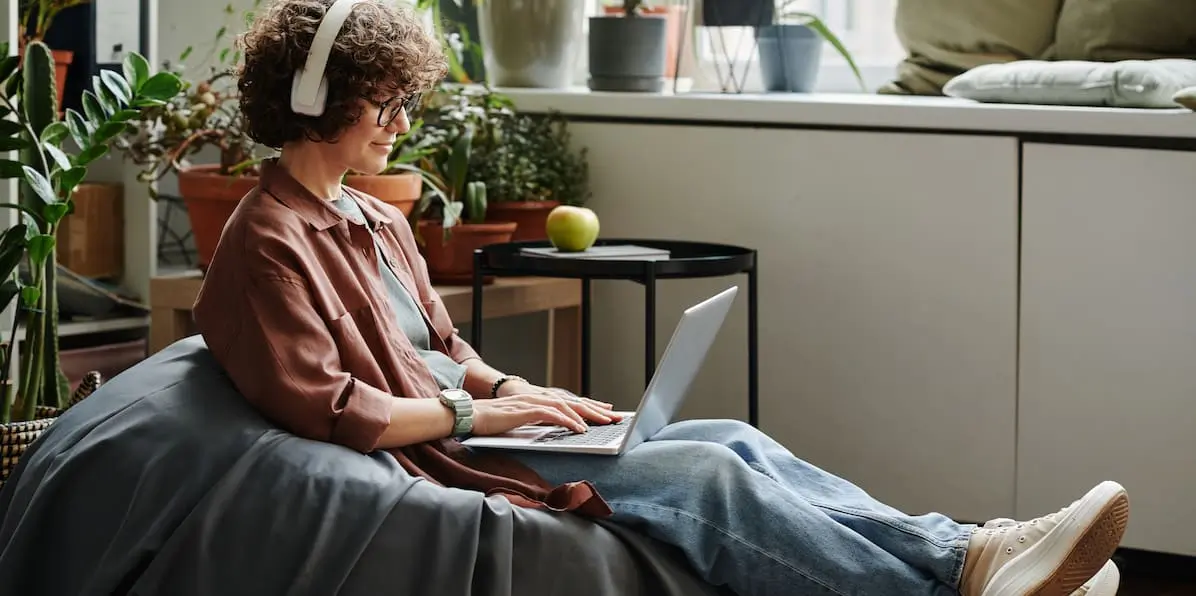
[627, 50]
[675, 12]
[524, 46]
[737, 13]
[791, 50]
[36, 18]
[532, 169]
[206, 115]
[452, 222]
[28, 94]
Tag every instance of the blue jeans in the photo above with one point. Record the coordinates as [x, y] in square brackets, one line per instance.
[750, 515]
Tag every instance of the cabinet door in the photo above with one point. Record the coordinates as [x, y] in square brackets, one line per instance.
[888, 294]
[1108, 335]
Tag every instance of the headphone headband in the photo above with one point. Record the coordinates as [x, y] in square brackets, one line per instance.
[308, 92]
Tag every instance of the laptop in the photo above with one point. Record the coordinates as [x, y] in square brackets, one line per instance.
[666, 391]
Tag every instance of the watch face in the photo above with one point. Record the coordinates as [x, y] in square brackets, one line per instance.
[456, 394]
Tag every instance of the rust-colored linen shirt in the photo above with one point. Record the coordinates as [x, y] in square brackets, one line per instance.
[294, 310]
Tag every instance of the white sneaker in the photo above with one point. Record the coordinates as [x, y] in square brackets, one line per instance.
[1053, 555]
[1104, 583]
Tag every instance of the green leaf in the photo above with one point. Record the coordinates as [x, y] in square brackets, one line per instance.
[30, 218]
[8, 290]
[54, 212]
[40, 247]
[136, 69]
[108, 130]
[29, 296]
[160, 87]
[11, 169]
[14, 84]
[77, 126]
[40, 185]
[124, 115]
[12, 250]
[91, 154]
[117, 85]
[13, 143]
[70, 178]
[92, 107]
[58, 156]
[107, 101]
[55, 132]
[8, 65]
[9, 128]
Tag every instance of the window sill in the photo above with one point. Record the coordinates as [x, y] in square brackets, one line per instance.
[859, 110]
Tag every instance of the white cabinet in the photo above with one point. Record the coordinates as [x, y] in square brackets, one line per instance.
[1108, 335]
[888, 294]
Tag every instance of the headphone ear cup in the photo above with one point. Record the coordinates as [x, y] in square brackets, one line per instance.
[316, 107]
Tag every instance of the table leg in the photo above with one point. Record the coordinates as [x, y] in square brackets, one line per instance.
[753, 352]
[649, 325]
[564, 349]
[475, 323]
[167, 325]
[586, 387]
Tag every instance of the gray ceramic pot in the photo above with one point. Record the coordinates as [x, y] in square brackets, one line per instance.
[627, 54]
[531, 43]
[790, 56]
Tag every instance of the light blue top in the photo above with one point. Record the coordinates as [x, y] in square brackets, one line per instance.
[448, 373]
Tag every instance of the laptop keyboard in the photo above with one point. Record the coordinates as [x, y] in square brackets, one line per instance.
[596, 435]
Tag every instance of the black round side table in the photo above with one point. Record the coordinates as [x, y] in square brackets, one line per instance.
[686, 259]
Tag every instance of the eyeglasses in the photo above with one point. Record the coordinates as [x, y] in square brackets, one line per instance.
[389, 109]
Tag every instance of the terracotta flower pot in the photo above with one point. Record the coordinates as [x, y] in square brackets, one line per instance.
[401, 191]
[211, 198]
[450, 262]
[531, 217]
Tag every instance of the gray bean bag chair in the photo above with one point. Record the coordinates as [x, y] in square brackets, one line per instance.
[165, 482]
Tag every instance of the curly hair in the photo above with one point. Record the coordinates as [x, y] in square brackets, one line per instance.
[381, 50]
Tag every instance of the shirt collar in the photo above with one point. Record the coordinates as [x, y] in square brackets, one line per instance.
[317, 212]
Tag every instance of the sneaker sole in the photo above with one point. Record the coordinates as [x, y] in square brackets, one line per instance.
[1073, 552]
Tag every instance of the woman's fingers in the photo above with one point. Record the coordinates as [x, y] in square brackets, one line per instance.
[556, 416]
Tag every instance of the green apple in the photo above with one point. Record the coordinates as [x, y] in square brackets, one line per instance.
[572, 229]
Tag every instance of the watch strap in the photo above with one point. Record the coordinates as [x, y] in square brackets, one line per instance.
[461, 404]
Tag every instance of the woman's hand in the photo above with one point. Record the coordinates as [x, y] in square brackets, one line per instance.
[529, 404]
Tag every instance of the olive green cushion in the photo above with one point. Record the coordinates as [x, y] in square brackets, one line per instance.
[944, 38]
[1113, 30]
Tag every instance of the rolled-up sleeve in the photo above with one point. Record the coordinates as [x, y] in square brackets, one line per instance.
[280, 354]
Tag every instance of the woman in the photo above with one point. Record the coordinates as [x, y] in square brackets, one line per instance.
[318, 305]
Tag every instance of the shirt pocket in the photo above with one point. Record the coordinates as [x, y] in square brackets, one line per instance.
[355, 334]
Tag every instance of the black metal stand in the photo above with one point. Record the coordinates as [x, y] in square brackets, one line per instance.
[687, 260]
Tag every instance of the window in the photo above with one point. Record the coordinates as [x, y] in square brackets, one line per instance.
[866, 28]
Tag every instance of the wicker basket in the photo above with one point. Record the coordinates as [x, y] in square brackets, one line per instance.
[16, 437]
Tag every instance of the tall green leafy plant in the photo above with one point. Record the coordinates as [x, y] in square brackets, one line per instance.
[51, 170]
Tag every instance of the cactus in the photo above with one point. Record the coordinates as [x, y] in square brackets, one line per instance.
[49, 176]
[475, 202]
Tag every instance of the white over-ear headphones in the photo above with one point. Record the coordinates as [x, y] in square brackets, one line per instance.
[309, 90]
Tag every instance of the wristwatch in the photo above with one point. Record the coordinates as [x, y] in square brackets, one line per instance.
[461, 404]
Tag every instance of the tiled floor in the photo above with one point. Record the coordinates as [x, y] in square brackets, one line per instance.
[1149, 574]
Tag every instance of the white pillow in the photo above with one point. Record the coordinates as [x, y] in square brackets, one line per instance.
[1186, 97]
[1125, 84]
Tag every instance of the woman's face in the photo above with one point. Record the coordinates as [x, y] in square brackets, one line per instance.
[366, 145]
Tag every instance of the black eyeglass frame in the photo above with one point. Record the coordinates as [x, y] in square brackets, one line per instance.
[405, 103]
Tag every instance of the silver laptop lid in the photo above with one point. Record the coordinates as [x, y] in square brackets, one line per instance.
[682, 359]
